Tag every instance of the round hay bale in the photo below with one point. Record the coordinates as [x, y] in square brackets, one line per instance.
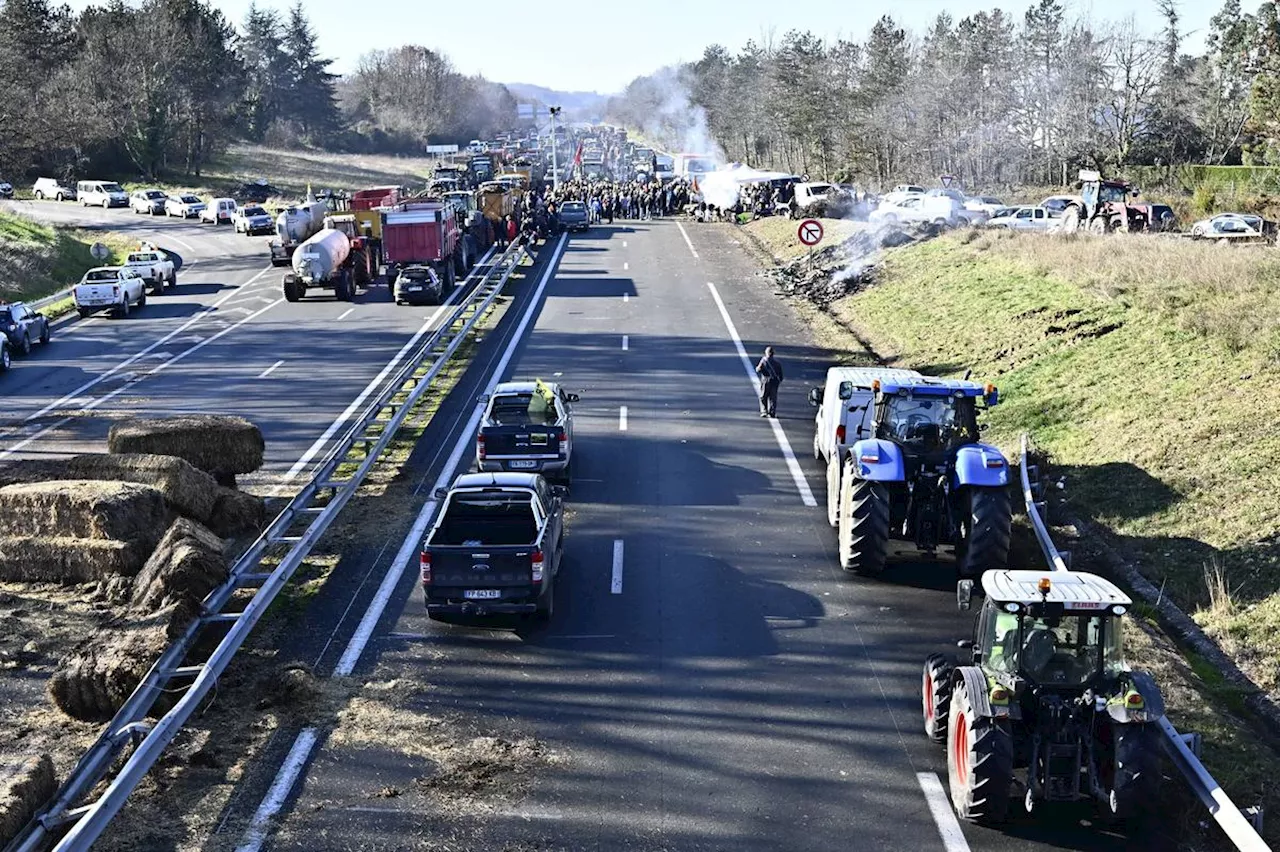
[95, 680]
[37, 559]
[81, 508]
[236, 512]
[217, 444]
[25, 786]
[188, 490]
[186, 565]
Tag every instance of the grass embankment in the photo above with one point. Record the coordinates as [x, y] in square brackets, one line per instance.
[1149, 370]
[37, 260]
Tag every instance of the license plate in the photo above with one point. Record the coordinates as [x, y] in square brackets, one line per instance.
[523, 465]
[481, 594]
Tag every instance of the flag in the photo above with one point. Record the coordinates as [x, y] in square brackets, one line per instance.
[577, 158]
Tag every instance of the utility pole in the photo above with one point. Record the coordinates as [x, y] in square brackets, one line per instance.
[555, 147]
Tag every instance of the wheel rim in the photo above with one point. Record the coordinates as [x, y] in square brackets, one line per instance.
[960, 750]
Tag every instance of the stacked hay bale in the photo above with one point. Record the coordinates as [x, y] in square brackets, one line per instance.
[219, 445]
[25, 785]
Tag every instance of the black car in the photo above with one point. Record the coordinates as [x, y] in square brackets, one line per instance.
[416, 285]
[23, 326]
[258, 193]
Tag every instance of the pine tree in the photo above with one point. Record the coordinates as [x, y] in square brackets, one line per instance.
[312, 93]
[261, 48]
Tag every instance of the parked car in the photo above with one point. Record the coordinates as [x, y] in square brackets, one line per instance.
[101, 193]
[1233, 226]
[986, 203]
[418, 285]
[45, 188]
[6, 189]
[113, 288]
[938, 209]
[528, 426]
[1022, 219]
[218, 211]
[185, 205]
[20, 326]
[253, 219]
[1057, 204]
[149, 201]
[573, 216]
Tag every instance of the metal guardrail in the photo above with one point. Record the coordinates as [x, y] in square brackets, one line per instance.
[41, 304]
[1238, 827]
[317, 504]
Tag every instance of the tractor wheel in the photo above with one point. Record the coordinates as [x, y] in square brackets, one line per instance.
[1070, 220]
[459, 263]
[864, 524]
[979, 761]
[834, 478]
[1132, 778]
[1100, 226]
[935, 696]
[984, 540]
[291, 292]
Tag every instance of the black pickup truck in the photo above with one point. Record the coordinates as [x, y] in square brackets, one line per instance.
[528, 426]
[495, 549]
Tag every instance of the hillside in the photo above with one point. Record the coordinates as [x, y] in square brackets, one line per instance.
[587, 103]
[37, 260]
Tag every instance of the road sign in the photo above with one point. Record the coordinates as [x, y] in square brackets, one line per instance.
[810, 232]
[947, 180]
[442, 149]
[99, 251]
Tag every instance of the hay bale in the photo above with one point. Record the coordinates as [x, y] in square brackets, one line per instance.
[38, 559]
[188, 490]
[219, 445]
[25, 787]
[81, 508]
[187, 564]
[95, 680]
[236, 512]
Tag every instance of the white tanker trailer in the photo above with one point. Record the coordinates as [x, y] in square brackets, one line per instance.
[328, 260]
[294, 226]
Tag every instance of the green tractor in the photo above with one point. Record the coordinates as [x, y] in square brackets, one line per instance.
[1047, 710]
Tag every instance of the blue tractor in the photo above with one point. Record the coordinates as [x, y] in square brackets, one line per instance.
[915, 470]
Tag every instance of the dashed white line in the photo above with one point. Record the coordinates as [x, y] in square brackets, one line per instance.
[797, 474]
[626, 343]
[622, 419]
[626, 297]
[345, 314]
[624, 243]
[280, 788]
[625, 266]
[943, 816]
[687, 241]
[270, 370]
[615, 582]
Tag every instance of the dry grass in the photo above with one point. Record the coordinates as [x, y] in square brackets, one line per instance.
[779, 235]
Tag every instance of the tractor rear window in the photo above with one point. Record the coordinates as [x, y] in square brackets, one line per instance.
[931, 422]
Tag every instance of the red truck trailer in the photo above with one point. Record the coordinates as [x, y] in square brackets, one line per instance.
[422, 233]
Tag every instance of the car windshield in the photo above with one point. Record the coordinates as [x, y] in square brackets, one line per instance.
[987, 199]
[253, 211]
[190, 199]
[112, 187]
[1066, 650]
[1003, 212]
[573, 207]
[1055, 204]
[153, 194]
[929, 423]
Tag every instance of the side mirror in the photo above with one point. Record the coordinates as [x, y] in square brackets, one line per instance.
[964, 595]
[441, 493]
[965, 645]
[572, 397]
[815, 397]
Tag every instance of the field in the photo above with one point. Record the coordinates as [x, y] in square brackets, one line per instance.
[37, 260]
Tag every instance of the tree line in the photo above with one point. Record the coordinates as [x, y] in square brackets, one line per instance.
[994, 99]
[162, 86]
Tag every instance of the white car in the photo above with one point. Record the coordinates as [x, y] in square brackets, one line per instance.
[1229, 225]
[46, 188]
[900, 195]
[149, 201]
[1022, 219]
[113, 288]
[938, 209]
[185, 205]
[253, 219]
[985, 203]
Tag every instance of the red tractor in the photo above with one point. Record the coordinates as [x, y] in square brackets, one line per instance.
[1104, 206]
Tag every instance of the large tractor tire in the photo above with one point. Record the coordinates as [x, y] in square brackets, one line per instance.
[864, 524]
[935, 696]
[1070, 220]
[834, 479]
[1132, 778]
[984, 544]
[979, 761]
[1101, 226]
[292, 292]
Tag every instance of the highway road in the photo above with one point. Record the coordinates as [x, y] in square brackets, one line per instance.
[711, 679]
[224, 341]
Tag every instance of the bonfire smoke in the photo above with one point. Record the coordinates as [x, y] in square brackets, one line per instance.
[668, 116]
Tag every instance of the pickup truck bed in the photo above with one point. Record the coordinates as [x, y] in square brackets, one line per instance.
[527, 426]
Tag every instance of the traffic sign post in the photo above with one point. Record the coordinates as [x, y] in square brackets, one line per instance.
[99, 252]
[810, 233]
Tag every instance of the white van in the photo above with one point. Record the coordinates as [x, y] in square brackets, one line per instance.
[219, 211]
[46, 188]
[101, 193]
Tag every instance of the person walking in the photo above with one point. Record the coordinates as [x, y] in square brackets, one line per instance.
[770, 372]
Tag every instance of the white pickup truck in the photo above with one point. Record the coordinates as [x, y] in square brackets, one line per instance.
[113, 288]
[155, 269]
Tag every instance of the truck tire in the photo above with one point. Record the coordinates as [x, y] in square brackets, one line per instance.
[44, 332]
[291, 292]
[864, 524]
[122, 310]
[935, 696]
[459, 263]
[84, 313]
[450, 281]
[544, 612]
[984, 541]
[142, 298]
[834, 479]
[157, 287]
[173, 280]
[25, 348]
[979, 761]
[1070, 220]
[6, 360]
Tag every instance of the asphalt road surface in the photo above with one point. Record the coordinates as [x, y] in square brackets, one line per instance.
[711, 679]
[223, 341]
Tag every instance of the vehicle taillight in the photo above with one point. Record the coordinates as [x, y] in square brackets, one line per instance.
[424, 564]
[537, 564]
[115, 291]
[480, 447]
[840, 434]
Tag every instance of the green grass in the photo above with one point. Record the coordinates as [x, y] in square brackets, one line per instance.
[37, 260]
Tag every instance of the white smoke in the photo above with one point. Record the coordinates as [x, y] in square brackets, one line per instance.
[665, 114]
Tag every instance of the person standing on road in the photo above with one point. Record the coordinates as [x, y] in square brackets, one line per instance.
[770, 372]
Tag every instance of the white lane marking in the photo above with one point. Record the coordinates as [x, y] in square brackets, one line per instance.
[133, 378]
[186, 245]
[687, 241]
[622, 419]
[624, 243]
[104, 376]
[625, 266]
[797, 474]
[626, 342]
[270, 370]
[345, 314]
[626, 297]
[943, 816]
[297, 758]
[615, 582]
[413, 541]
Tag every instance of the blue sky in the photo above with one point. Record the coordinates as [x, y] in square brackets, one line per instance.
[600, 46]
